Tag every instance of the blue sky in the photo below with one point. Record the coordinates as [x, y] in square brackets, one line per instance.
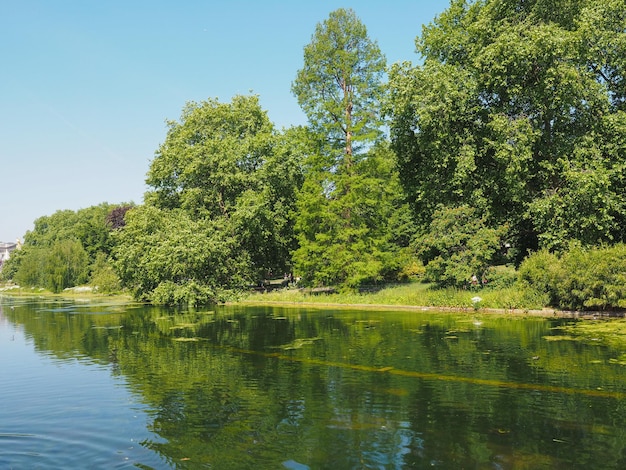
[86, 85]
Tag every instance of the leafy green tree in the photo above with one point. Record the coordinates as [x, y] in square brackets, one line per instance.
[63, 264]
[221, 208]
[459, 247]
[167, 248]
[339, 86]
[63, 248]
[88, 225]
[517, 111]
[27, 267]
[349, 193]
[365, 248]
[66, 265]
[579, 278]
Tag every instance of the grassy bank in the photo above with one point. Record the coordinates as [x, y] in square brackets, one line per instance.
[412, 294]
[16, 291]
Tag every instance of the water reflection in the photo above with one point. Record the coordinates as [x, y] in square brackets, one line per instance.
[235, 387]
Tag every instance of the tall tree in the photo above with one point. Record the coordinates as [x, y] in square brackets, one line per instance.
[339, 87]
[347, 194]
[222, 197]
[517, 112]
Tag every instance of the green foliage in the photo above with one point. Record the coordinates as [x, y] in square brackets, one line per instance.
[9, 267]
[62, 248]
[501, 277]
[66, 265]
[339, 87]
[28, 266]
[103, 278]
[161, 247]
[189, 293]
[351, 219]
[88, 226]
[348, 229]
[63, 264]
[235, 178]
[579, 279]
[519, 108]
[457, 246]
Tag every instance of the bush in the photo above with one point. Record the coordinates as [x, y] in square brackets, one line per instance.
[580, 279]
[103, 277]
[190, 293]
[459, 244]
[500, 277]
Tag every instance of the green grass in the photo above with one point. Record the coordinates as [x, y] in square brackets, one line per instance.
[412, 294]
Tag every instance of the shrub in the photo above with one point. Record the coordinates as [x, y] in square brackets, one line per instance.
[582, 278]
[103, 278]
[500, 277]
[458, 245]
[190, 293]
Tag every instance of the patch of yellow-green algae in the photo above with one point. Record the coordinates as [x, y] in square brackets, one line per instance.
[610, 332]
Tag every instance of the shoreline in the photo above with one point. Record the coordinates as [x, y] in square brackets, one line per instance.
[545, 312]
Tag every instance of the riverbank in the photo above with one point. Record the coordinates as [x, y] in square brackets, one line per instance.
[77, 293]
[417, 297]
[422, 297]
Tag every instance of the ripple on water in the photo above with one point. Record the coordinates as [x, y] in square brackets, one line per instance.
[69, 413]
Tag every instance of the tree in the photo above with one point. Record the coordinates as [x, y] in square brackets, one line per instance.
[517, 111]
[166, 249]
[66, 265]
[458, 246]
[221, 208]
[63, 248]
[115, 217]
[348, 193]
[339, 87]
[62, 264]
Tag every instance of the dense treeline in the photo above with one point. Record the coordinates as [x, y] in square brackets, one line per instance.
[69, 248]
[509, 139]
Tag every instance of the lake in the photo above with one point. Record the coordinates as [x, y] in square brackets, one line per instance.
[113, 385]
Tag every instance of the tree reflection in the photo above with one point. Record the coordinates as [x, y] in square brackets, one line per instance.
[240, 387]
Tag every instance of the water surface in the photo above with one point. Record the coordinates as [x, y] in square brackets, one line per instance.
[97, 385]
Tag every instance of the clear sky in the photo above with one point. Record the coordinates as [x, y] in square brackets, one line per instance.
[86, 85]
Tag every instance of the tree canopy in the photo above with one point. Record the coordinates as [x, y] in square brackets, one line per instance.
[506, 139]
[517, 110]
[220, 210]
[339, 86]
[350, 191]
[65, 249]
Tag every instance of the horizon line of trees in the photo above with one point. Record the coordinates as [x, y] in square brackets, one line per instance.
[508, 139]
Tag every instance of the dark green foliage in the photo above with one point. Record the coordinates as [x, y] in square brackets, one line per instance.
[579, 279]
[223, 194]
[458, 246]
[518, 110]
[63, 248]
[352, 229]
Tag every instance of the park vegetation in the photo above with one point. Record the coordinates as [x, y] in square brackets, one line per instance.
[496, 163]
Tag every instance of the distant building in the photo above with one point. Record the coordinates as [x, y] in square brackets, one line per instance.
[6, 249]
